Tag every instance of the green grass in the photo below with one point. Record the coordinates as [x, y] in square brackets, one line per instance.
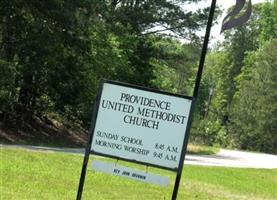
[202, 149]
[46, 175]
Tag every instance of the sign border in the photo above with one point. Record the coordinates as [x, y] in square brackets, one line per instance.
[102, 82]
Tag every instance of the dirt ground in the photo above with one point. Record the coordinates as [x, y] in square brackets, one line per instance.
[42, 132]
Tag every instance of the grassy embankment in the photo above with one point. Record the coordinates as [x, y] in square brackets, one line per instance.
[202, 149]
[48, 175]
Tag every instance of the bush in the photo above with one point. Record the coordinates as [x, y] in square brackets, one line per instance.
[8, 91]
[208, 132]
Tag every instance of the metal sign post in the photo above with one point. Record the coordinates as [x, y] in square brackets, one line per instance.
[195, 95]
[204, 50]
[87, 152]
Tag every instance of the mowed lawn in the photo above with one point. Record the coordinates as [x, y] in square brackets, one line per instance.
[50, 175]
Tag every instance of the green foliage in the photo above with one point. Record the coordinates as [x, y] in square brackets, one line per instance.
[219, 81]
[209, 132]
[174, 65]
[55, 52]
[253, 115]
[237, 44]
[238, 102]
[269, 21]
[7, 85]
[50, 69]
[213, 107]
[255, 111]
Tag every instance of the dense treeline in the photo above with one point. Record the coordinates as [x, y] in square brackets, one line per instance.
[241, 84]
[54, 53]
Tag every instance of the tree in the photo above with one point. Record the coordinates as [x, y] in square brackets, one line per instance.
[209, 125]
[223, 65]
[139, 18]
[254, 115]
[268, 22]
[174, 64]
[56, 51]
[238, 43]
[46, 43]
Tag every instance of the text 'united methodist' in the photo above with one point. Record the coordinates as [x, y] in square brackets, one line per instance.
[143, 111]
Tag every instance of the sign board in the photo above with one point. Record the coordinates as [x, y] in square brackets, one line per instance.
[130, 173]
[140, 125]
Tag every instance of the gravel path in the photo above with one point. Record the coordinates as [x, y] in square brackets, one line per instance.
[225, 158]
[233, 158]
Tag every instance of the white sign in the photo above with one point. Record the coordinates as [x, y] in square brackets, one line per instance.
[130, 173]
[141, 125]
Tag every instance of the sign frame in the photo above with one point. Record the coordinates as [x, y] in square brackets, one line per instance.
[147, 90]
[92, 129]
